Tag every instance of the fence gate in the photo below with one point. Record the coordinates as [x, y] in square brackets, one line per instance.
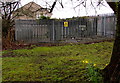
[75, 28]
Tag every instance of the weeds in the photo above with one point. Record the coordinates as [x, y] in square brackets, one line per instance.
[93, 73]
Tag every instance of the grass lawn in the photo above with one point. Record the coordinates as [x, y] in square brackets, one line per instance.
[57, 63]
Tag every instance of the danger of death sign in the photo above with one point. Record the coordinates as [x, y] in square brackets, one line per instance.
[65, 24]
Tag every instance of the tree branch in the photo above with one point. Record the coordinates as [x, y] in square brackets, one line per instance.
[53, 6]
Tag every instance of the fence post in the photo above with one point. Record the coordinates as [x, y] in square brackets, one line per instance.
[96, 21]
[16, 30]
[62, 29]
[53, 30]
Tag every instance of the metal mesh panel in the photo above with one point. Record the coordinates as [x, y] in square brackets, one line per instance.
[55, 30]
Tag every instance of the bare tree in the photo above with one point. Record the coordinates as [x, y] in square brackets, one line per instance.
[94, 4]
[7, 8]
[112, 71]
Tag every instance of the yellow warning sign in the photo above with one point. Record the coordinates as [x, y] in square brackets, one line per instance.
[65, 24]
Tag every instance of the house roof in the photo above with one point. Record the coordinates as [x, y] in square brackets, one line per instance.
[31, 7]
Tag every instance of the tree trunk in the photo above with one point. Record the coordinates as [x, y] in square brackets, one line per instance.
[112, 71]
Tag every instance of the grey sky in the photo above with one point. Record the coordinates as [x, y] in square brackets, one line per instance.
[70, 8]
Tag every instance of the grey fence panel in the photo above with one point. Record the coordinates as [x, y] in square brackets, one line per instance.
[34, 31]
[99, 25]
[31, 31]
[110, 29]
[56, 30]
[106, 26]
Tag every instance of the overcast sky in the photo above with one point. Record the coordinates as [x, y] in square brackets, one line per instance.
[70, 8]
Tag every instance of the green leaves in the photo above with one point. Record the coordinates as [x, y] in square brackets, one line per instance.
[93, 73]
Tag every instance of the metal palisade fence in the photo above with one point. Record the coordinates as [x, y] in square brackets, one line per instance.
[34, 31]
